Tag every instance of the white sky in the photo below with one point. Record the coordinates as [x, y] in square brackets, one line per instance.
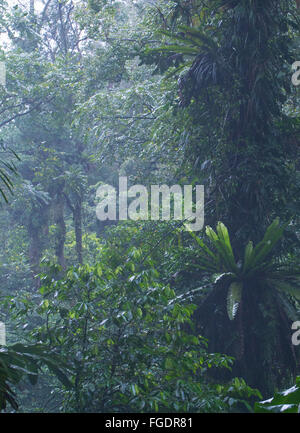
[25, 4]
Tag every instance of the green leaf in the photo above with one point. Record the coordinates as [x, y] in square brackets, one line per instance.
[287, 401]
[234, 298]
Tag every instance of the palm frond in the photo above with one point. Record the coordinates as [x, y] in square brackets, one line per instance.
[257, 265]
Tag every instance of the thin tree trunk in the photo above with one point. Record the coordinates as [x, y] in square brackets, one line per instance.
[34, 253]
[31, 8]
[77, 218]
[77, 215]
[61, 229]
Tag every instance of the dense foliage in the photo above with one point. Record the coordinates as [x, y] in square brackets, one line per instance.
[144, 316]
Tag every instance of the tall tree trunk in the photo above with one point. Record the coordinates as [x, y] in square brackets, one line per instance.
[31, 8]
[76, 210]
[34, 252]
[77, 216]
[60, 229]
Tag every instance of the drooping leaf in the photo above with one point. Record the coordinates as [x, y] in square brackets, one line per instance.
[234, 297]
